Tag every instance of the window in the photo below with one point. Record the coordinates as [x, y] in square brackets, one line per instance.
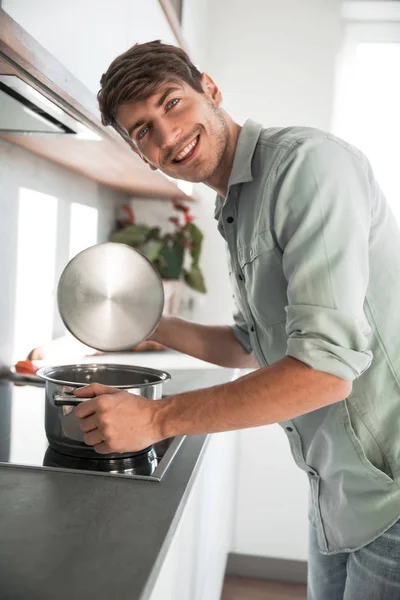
[36, 255]
[83, 228]
[367, 112]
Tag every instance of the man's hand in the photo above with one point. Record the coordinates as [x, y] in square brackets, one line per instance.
[115, 420]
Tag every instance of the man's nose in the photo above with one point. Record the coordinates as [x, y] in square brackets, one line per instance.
[169, 135]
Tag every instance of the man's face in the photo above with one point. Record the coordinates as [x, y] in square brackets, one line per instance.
[179, 130]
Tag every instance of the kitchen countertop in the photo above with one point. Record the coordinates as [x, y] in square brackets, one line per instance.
[73, 535]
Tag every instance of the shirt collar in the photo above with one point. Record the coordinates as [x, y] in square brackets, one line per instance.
[245, 147]
[241, 168]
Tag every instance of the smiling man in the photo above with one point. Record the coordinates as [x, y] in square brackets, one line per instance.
[315, 267]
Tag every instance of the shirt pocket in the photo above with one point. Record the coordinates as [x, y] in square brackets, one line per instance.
[265, 283]
[369, 452]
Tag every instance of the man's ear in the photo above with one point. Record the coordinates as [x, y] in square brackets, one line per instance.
[211, 89]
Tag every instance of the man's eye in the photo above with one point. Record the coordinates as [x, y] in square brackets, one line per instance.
[173, 102]
[142, 132]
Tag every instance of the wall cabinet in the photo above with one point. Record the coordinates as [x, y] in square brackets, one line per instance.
[194, 566]
[86, 36]
[107, 158]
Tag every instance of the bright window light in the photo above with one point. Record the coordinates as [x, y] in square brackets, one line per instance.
[36, 254]
[367, 110]
[83, 228]
[185, 186]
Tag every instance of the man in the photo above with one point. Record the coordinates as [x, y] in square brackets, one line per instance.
[315, 267]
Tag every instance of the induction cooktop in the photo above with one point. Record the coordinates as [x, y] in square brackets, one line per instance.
[23, 442]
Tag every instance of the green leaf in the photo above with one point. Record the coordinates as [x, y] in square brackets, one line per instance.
[153, 250]
[194, 279]
[154, 234]
[171, 255]
[196, 237]
[167, 250]
[133, 235]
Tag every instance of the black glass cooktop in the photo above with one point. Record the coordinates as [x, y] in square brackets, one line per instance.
[23, 442]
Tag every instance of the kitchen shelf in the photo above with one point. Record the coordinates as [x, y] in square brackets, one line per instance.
[107, 160]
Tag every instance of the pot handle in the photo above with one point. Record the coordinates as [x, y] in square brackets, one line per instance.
[67, 400]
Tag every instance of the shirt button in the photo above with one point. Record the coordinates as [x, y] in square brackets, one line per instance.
[252, 329]
[240, 276]
[230, 220]
[289, 429]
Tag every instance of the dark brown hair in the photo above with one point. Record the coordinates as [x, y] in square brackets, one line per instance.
[139, 72]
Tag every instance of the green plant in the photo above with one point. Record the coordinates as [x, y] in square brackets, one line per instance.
[166, 250]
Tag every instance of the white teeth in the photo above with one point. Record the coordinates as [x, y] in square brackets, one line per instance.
[186, 150]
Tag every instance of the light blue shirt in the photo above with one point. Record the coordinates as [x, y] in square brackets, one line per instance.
[315, 267]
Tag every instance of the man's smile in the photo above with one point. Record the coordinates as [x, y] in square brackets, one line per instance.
[187, 152]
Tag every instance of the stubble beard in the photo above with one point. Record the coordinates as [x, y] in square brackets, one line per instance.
[222, 137]
[217, 131]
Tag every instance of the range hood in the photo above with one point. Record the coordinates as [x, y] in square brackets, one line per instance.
[24, 110]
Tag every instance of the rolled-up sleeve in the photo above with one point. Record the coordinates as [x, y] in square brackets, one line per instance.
[322, 222]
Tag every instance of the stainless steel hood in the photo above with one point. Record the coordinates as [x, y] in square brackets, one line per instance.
[24, 110]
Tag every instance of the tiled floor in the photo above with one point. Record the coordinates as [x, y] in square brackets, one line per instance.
[237, 588]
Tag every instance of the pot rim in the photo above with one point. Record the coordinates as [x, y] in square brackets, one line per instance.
[44, 373]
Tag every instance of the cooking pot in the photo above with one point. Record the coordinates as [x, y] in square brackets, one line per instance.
[61, 424]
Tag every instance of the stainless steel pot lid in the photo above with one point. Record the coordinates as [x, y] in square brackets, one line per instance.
[110, 297]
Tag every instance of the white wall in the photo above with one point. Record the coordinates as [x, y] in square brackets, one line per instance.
[35, 234]
[196, 15]
[275, 63]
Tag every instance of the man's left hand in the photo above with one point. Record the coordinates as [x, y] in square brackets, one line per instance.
[116, 421]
